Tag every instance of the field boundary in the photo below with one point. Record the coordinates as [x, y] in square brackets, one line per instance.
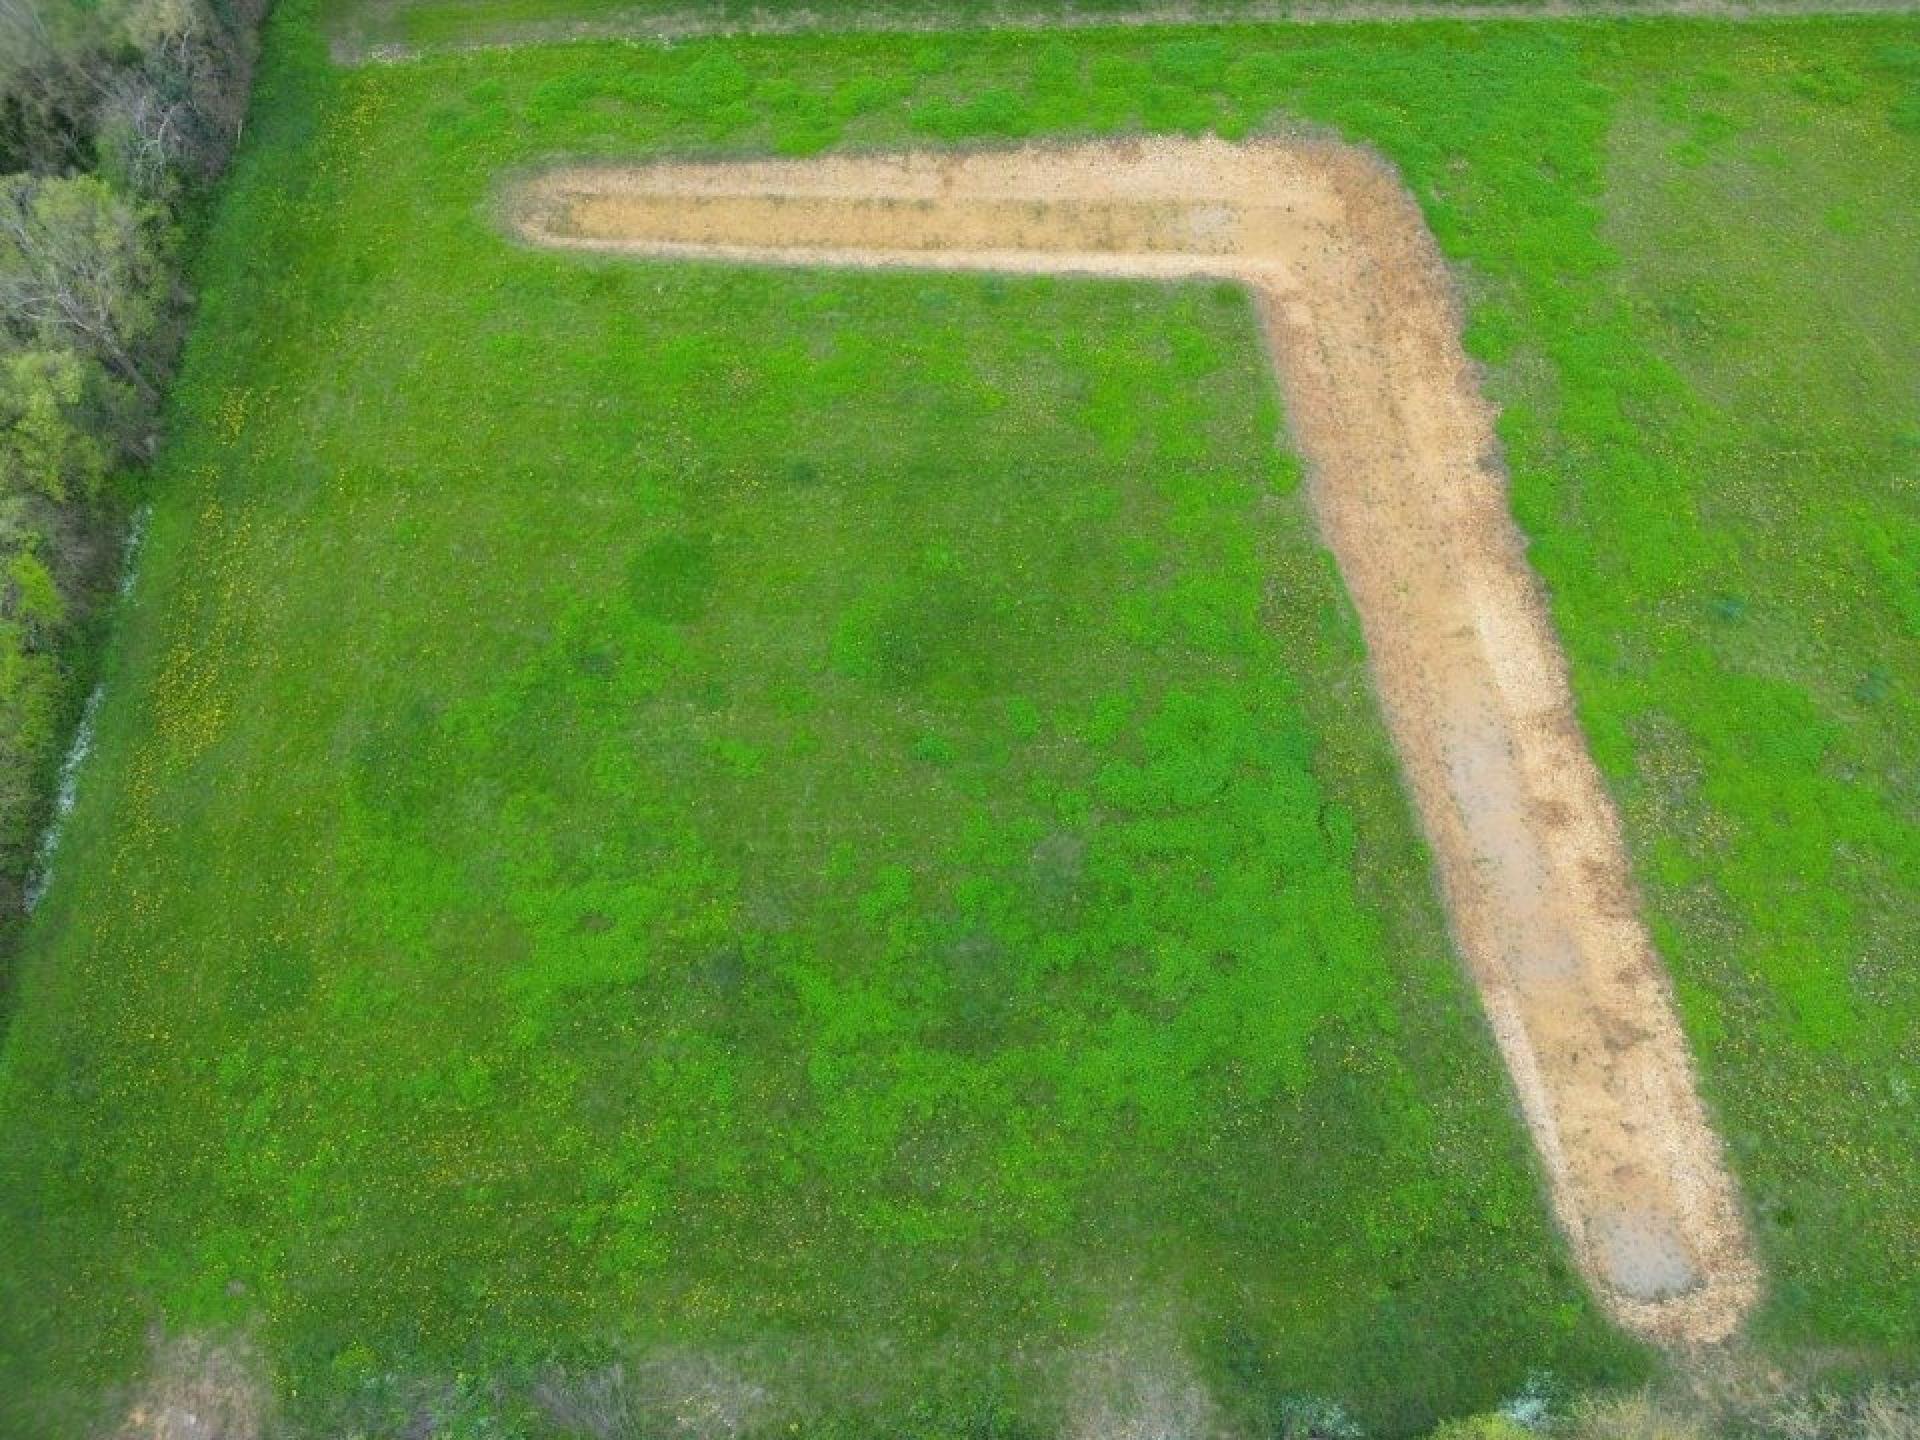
[1410, 496]
[669, 27]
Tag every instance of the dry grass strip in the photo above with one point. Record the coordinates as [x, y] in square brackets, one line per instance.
[369, 41]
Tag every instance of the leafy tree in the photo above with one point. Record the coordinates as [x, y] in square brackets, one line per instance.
[78, 270]
[47, 445]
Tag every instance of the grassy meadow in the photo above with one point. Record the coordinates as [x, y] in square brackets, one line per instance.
[833, 825]
[1748, 642]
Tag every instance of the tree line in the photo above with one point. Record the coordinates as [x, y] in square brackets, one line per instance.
[115, 116]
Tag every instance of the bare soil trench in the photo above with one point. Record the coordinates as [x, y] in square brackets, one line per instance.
[1386, 409]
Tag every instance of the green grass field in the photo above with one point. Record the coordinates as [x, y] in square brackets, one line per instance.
[835, 822]
[1749, 649]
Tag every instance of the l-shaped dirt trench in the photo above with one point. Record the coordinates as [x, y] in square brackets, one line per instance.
[1405, 482]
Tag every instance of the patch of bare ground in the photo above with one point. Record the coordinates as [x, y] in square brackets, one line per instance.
[199, 1387]
[1406, 484]
[1136, 1381]
[675, 1392]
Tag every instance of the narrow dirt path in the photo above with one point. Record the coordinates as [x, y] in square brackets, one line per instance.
[667, 26]
[1406, 484]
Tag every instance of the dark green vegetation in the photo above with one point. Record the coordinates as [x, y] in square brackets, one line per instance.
[113, 118]
[797, 814]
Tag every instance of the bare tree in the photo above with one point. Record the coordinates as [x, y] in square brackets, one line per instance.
[77, 269]
[145, 135]
[24, 36]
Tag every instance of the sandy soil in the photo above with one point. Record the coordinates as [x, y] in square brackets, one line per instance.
[1407, 487]
[199, 1387]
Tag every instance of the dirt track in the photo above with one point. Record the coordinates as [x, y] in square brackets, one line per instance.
[647, 24]
[1386, 409]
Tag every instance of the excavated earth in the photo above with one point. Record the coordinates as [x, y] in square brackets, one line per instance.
[1385, 407]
